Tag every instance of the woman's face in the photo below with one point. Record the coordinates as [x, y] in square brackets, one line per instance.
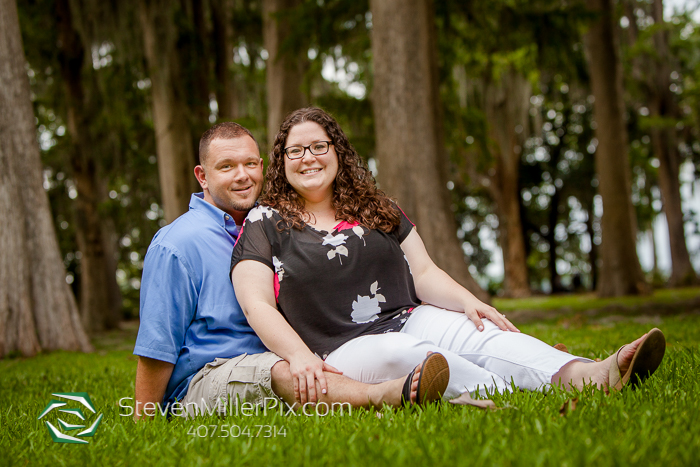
[311, 176]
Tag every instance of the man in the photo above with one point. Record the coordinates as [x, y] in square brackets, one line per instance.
[194, 343]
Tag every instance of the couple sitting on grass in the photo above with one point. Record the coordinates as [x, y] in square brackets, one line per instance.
[336, 299]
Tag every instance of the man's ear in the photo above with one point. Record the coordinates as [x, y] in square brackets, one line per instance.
[201, 176]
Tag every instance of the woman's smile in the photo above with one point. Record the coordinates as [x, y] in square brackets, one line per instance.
[310, 171]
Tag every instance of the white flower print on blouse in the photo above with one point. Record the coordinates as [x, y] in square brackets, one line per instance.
[279, 270]
[409, 265]
[366, 309]
[336, 241]
[279, 275]
[355, 227]
[256, 214]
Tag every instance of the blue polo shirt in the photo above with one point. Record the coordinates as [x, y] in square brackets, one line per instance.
[189, 312]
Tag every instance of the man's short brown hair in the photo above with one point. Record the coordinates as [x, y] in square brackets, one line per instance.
[224, 130]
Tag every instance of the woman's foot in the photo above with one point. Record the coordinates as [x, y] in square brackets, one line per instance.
[430, 376]
[632, 364]
[428, 381]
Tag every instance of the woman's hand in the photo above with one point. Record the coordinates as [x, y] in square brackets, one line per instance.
[305, 370]
[476, 309]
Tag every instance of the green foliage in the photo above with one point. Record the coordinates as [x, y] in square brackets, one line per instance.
[477, 42]
[655, 425]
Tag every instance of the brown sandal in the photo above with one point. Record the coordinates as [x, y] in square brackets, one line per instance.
[645, 361]
[434, 376]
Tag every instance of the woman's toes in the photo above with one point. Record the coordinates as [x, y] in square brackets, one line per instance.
[414, 384]
[624, 358]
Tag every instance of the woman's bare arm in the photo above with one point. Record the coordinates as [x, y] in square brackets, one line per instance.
[435, 286]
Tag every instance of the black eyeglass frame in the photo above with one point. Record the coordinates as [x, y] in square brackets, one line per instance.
[304, 148]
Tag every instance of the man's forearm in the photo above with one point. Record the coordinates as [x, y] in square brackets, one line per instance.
[152, 378]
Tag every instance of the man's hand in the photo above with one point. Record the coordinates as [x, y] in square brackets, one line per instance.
[152, 378]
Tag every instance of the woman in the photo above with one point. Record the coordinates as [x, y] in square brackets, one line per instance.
[348, 271]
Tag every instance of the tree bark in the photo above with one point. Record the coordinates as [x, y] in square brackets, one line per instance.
[593, 254]
[410, 154]
[507, 103]
[662, 104]
[197, 69]
[285, 68]
[98, 308]
[223, 60]
[173, 138]
[37, 308]
[621, 273]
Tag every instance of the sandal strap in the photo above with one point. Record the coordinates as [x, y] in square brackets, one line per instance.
[614, 375]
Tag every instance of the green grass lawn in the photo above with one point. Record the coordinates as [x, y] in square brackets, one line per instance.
[659, 424]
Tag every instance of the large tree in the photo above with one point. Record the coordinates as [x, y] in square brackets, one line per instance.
[410, 148]
[100, 300]
[223, 59]
[621, 273]
[174, 145]
[663, 106]
[507, 102]
[285, 66]
[37, 309]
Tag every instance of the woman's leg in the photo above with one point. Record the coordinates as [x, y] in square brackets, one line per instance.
[529, 362]
[383, 357]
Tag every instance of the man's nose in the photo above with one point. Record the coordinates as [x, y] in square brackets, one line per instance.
[241, 173]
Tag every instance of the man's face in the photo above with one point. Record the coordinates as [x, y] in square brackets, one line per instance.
[232, 175]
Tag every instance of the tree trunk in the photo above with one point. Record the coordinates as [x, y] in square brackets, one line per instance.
[621, 273]
[507, 103]
[593, 254]
[662, 104]
[223, 60]
[410, 154]
[654, 254]
[173, 138]
[37, 308]
[285, 68]
[197, 69]
[98, 308]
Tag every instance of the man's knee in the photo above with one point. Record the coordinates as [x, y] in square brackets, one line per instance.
[281, 381]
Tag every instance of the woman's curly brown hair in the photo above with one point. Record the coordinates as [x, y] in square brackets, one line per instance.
[356, 197]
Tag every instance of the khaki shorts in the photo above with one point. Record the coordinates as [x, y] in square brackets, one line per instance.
[226, 382]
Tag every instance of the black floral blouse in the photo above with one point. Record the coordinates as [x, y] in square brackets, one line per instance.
[332, 286]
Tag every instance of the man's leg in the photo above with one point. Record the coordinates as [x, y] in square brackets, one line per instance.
[253, 378]
[344, 390]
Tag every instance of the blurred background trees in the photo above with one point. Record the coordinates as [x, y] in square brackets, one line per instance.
[540, 146]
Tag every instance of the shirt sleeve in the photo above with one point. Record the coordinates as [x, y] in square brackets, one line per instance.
[252, 244]
[168, 304]
[405, 227]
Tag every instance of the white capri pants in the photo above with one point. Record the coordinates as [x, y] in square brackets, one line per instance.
[479, 361]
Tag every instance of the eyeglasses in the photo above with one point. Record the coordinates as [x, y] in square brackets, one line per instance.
[317, 148]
